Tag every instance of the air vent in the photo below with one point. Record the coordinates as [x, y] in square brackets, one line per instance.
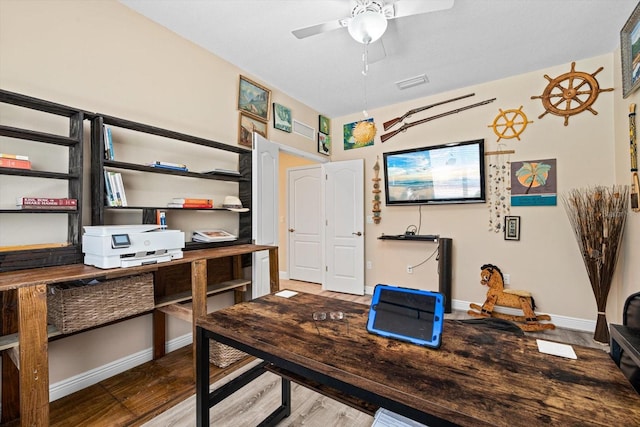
[304, 130]
[412, 81]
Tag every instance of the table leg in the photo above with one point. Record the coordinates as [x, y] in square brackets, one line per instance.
[202, 378]
[199, 297]
[34, 360]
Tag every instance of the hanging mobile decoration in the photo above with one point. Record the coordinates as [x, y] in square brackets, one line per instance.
[578, 86]
[510, 124]
[376, 192]
[499, 194]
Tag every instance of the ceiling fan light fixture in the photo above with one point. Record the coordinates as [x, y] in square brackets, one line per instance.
[367, 27]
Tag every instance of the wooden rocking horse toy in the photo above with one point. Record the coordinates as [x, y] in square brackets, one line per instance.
[491, 276]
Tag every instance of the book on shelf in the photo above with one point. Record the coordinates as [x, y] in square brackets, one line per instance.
[114, 188]
[15, 163]
[193, 201]
[14, 156]
[221, 171]
[169, 165]
[49, 207]
[190, 205]
[214, 235]
[108, 144]
[46, 201]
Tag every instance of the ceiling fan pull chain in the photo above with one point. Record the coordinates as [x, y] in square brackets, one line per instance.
[365, 70]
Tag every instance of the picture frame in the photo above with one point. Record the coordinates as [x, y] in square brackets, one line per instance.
[324, 124]
[282, 118]
[247, 124]
[630, 53]
[253, 99]
[324, 144]
[511, 228]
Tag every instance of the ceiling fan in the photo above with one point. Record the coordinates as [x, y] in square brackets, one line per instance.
[368, 20]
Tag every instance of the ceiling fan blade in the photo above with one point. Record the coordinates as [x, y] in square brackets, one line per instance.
[302, 33]
[408, 7]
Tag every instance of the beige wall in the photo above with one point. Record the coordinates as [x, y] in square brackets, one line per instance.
[592, 149]
[101, 56]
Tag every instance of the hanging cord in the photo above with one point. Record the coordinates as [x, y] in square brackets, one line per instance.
[428, 258]
[365, 71]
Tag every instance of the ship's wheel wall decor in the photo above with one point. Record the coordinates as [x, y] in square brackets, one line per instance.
[509, 124]
[577, 87]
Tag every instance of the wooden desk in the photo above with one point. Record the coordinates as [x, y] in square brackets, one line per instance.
[478, 377]
[32, 403]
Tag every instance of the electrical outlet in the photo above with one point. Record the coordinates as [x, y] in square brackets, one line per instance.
[409, 269]
[369, 265]
[506, 278]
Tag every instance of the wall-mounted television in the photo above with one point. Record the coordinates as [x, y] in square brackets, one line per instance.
[447, 173]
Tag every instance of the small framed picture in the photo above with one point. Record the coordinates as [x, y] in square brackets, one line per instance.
[511, 228]
[281, 117]
[324, 125]
[254, 99]
[324, 144]
[247, 125]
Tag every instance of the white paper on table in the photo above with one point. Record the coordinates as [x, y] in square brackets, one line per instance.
[556, 349]
[286, 294]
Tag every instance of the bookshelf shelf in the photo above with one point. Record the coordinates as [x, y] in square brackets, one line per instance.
[73, 142]
[127, 134]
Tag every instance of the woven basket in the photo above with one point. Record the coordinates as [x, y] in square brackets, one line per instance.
[222, 355]
[75, 306]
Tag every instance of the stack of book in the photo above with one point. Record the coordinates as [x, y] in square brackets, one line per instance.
[16, 161]
[168, 165]
[188, 203]
[63, 203]
[114, 189]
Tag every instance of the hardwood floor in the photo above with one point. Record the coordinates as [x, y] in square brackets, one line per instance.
[141, 395]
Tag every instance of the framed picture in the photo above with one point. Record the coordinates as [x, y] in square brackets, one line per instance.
[324, 144]
[511, 228]
[324, 125]
[247, 125]
[254, 99]
[281, 117]
[630, 52]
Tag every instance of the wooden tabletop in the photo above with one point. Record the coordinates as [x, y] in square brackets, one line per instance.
[478, 377]
[64, 273]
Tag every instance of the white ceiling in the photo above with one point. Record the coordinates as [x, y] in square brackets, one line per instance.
[476, 41]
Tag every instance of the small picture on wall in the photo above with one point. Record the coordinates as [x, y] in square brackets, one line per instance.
[324, 125]
[534, 183]
[511, 228]
[281, 117]
[324, 144]
[350, 141]
[248, 125]
[254, 99]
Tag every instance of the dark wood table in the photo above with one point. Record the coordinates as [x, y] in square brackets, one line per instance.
[478, 377]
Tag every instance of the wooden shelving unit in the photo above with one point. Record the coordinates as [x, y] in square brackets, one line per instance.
[55, 254]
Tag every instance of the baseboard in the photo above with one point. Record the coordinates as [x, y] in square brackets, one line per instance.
[558, 320]
[93, 376]
[284, 275]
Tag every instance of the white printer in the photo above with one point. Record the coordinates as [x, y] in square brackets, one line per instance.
[130, 245]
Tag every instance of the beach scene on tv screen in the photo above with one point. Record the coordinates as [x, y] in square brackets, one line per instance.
[431, 175]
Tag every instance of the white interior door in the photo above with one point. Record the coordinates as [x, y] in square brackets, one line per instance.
[344, 226]
[264, 199]
[305, 224]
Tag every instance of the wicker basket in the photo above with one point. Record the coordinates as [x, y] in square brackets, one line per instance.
[75, 306]
[222, 355]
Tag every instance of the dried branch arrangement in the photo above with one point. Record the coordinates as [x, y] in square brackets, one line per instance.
[598, 216]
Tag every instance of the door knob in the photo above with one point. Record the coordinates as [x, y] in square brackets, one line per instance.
[291, 230]
[357, 234]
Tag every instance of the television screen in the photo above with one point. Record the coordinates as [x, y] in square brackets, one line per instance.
[448, 173]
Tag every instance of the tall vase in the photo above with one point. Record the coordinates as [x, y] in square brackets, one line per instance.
[598, 216]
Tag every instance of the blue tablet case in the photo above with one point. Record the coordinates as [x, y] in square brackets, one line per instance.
[405, 314]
